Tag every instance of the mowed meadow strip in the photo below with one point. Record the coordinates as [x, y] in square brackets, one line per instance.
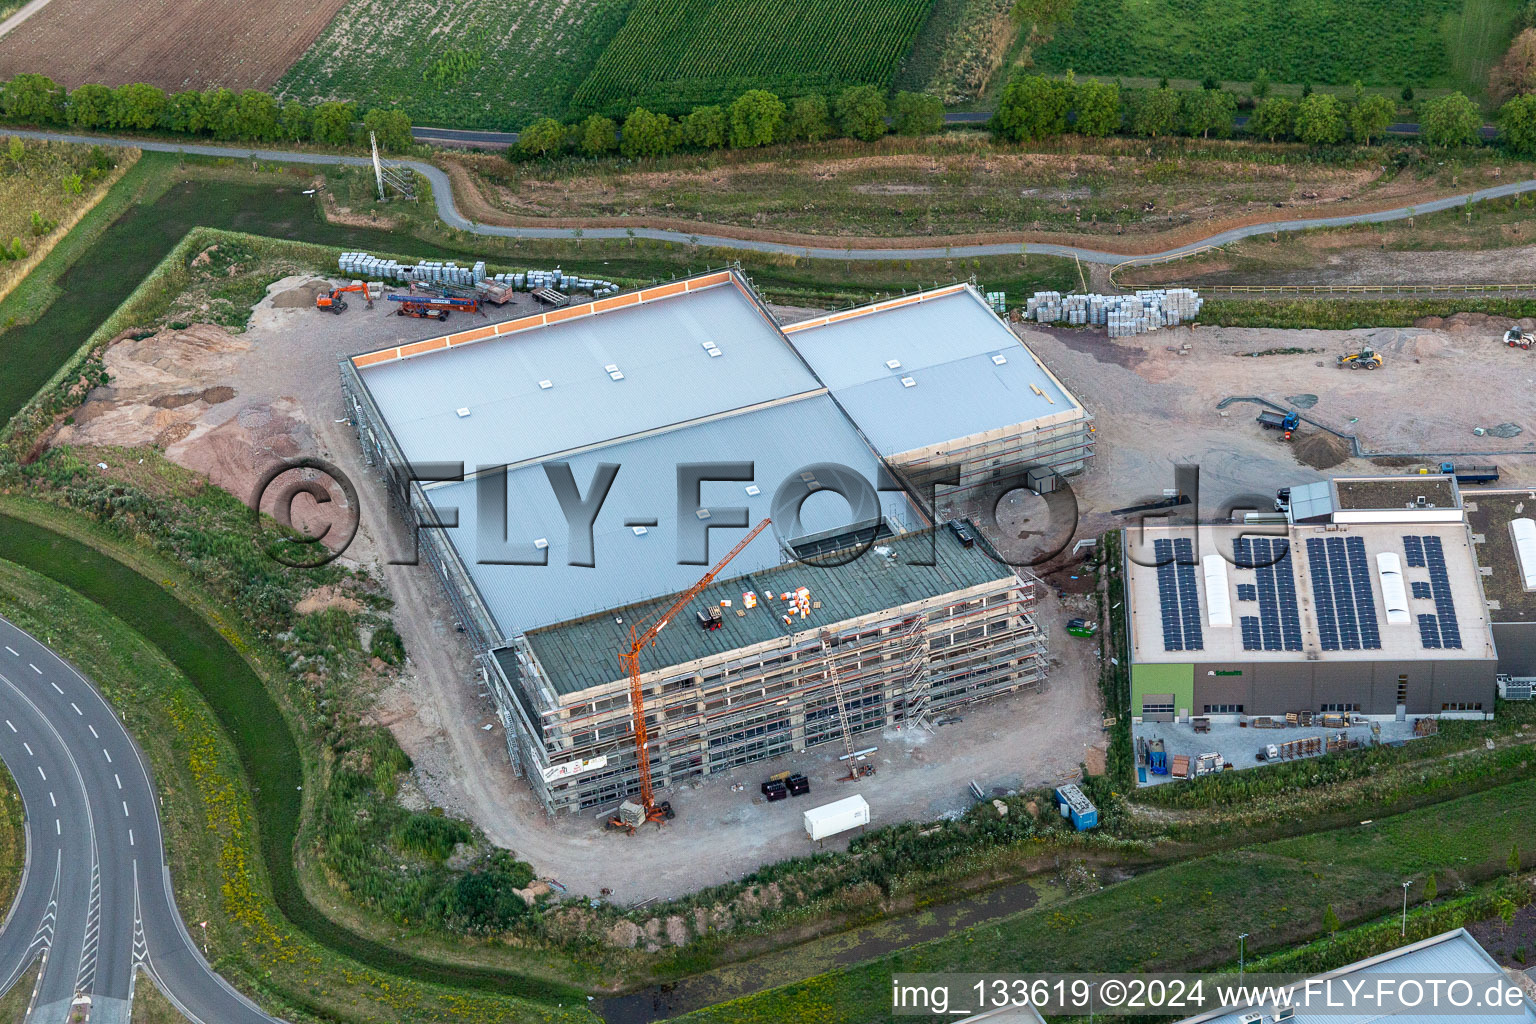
[674, 54]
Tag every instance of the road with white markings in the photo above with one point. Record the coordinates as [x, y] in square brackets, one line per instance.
[95, 903]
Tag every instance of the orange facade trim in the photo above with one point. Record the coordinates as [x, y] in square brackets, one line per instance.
[849, 314]
[693, 284]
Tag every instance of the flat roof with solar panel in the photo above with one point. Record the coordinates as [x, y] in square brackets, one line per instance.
[1308, 592]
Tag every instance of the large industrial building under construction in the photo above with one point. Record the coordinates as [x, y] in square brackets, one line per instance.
[702, 415]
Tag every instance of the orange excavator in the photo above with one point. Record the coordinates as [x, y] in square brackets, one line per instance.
[631, 815]
[333, 302]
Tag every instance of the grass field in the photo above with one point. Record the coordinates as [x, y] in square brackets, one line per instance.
[236, 764]
[13, 1004]
[151, 1007]
[490, 64]
[1187, 916]
[44, 194]
[1411, 42]
[13, 843]
[672, 55]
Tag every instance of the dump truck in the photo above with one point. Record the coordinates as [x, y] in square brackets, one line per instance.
[1286, 422]
[1364, 359]
[1519, 337]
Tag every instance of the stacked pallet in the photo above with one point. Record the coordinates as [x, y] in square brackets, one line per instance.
[361, 264]
[1121, 315]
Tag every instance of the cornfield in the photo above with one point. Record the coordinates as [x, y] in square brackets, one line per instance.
[672, 55]
[1318, 41]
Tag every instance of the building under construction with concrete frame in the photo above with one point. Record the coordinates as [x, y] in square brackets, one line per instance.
[799, 645]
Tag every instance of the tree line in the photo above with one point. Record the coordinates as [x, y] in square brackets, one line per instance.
[1035, 107]
[755, 118]
[222, 114]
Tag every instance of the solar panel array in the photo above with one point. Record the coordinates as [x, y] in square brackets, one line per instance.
[1178, 595]
[1421, 589]
[1341, 589]
[1440, 587]
[1429, 631]
[1278, 625]
[1413, 547]
[1247, 592]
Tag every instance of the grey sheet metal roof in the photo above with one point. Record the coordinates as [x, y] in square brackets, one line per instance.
[584, 653]
[668, 378]
[1448, 955]
[1312, 501]
[947, 346]
[780, 440]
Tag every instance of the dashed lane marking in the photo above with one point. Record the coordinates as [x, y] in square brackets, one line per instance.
[94, 734]
[106, 755]
[34, 668]
[28, 748]
[13, 651]
[77, 708]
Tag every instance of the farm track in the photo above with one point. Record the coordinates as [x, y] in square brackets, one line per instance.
[850, 249]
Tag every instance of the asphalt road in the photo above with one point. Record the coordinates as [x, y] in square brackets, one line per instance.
[96, 901]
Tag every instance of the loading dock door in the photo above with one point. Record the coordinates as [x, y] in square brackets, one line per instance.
[1157, 707]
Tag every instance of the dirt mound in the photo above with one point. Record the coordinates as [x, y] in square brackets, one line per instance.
[301, 295]
[329, 596]
[222, 393]
[1320, 449]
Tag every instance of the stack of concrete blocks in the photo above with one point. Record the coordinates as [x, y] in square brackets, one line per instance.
[1122, 315]
[361, 264]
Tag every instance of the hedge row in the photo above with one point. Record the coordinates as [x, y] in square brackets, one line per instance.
[251, 115]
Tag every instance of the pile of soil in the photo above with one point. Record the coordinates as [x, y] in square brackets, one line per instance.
[1320, 449]
[301, 295]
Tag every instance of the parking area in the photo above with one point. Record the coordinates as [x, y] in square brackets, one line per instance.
[1241, 744]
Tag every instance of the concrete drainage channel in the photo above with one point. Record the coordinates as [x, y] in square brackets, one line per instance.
[1361, 452]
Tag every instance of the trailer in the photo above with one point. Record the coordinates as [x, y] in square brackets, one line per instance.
[1470, 474]
[433, 307]
[1076, 806]
[838, 816]
[1157, 757]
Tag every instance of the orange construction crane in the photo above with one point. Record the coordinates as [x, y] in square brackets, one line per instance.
[333, 301]
[639, 640]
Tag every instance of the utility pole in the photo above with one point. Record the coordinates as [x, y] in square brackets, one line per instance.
[1241, 948]
[378, 168]
[1405, 907]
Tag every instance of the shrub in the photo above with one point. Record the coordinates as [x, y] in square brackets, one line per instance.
[917, 113]
[1319, 119]
[386, 645]
[808, 120]
[598, 135]
[540, 139]
[706, 127]
[757, 117]
[646, 134]
[861, 113]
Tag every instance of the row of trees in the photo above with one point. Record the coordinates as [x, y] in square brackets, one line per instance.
[755, 118]
[1035, 107]
[250, 115]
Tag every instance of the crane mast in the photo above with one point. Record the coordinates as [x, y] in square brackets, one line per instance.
[639, 640]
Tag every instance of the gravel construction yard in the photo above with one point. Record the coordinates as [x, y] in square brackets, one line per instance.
[230, 404]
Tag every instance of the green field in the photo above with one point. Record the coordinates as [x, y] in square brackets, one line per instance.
[1423, 43]
[490, 64]
[672, 55]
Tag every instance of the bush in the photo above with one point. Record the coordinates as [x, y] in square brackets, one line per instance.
[646, 134]
[1031, 107]
[333, 123]
[706, 127]
[1517, 125]
[1451, 120]
[1273, 118]
[1319, 119]
[917, 113]
[757, 117]
[598, 135]
[1097, 106]
[808, 120]
[861, 113]
[1156, 114]
[386, 645]
[392, 128]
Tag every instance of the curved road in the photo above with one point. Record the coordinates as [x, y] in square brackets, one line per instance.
[95, 903]
[442, 194]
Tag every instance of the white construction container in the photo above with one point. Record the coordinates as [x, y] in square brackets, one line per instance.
[838, 816]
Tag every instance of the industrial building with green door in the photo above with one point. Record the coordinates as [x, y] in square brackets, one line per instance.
[1371, 605]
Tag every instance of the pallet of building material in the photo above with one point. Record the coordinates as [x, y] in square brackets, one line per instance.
[494, 292]
[550, 297]
[1265, 723]
[1426, 726]
[1181, 766]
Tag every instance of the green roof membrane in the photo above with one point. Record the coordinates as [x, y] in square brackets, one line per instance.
[585, 652]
